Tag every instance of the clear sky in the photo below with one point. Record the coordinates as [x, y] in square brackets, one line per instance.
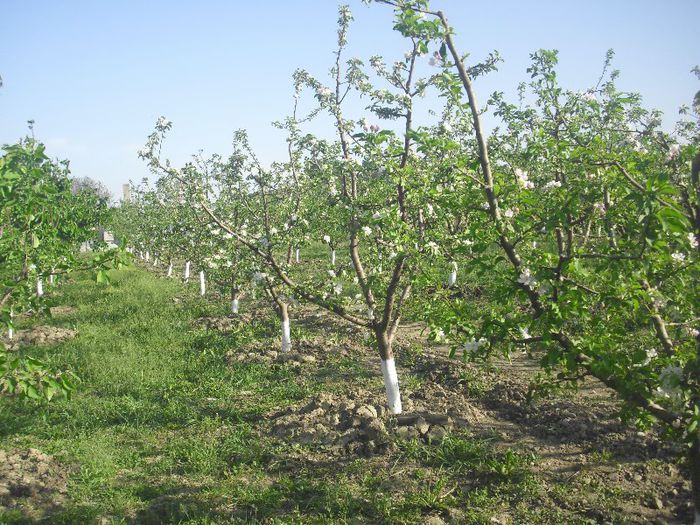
[95, 75]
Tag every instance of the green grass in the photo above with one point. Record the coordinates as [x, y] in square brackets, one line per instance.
[158, 431]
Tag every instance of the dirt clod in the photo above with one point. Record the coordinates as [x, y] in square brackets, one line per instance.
[41, 335]
[31, 481]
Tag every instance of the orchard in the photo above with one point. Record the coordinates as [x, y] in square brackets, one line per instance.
[566, 237]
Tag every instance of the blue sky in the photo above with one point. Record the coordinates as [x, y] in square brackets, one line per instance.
[95, 75]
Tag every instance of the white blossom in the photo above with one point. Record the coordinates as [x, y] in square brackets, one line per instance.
[327, 239]
[693, 240]
[366, 230]
[432, 247]
[552, 184]
[473, 345]
[588, 96]
[509, 213]
[650, 354]
[163, 123]
[673, 151]
[526, 278]
[523, 179]
[670, 378]
[331, 273]
[337, 288]
[678, 257]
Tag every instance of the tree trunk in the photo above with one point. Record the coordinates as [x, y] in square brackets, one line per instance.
[234, 300]
[11, 331]
[202, 284]
[452, 280]
[694, 465]
[283, 312]
[187, 271]
[170, 268]
[391, 380]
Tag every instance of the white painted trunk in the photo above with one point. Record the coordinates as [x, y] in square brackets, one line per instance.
[148, 256]
[51, 279]
[234, 306]
[297, 255]
[187, 271]
[286, 336]
[202, 285]
[155, 261]
[170, 270]
[333, 257]
[39, 287]
[11, 331]
[391, 383]
[452, 280]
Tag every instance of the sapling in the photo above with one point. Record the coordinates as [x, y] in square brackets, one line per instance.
[589, 300]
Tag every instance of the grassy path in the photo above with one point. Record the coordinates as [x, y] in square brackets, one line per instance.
[146, 422]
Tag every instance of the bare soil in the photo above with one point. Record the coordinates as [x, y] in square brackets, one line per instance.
[31, 482]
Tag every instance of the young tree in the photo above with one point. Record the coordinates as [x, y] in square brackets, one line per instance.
[594, 212]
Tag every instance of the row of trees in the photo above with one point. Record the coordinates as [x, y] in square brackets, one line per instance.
[576, 221]
[44, 218]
